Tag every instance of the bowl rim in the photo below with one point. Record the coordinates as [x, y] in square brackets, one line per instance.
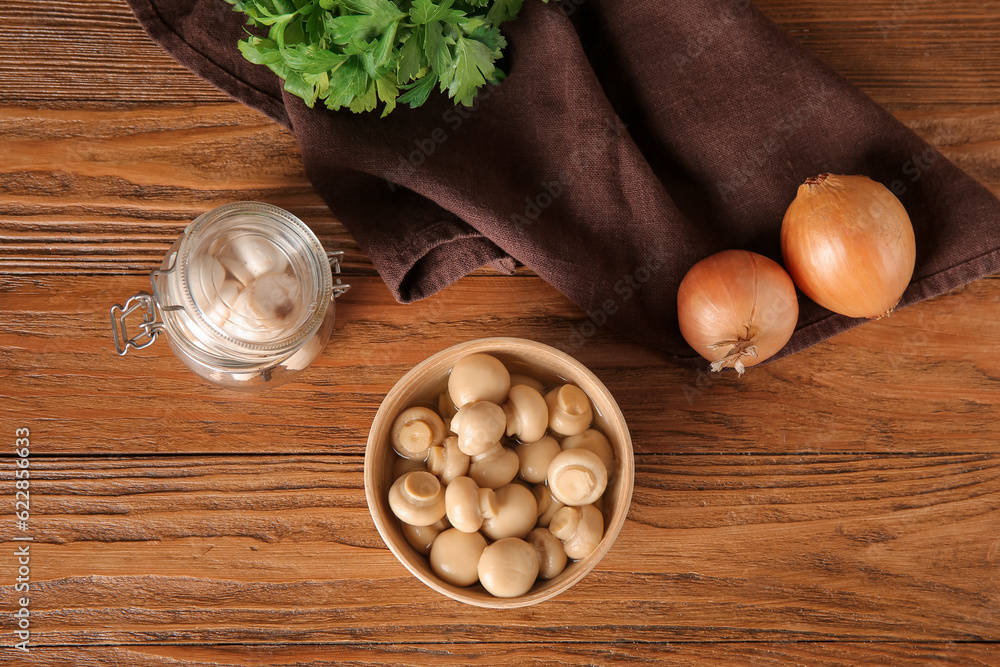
[501, 345]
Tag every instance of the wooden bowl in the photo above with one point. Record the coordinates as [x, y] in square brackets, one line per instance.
[423, 384]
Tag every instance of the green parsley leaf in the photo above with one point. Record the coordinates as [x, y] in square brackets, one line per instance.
[296, 85]
[387, 91]
[360, 54]
[503, 10]
[435, 47]
[367, 101]
[411, 56]
[472, 68]
[418, 91]
[309, 59]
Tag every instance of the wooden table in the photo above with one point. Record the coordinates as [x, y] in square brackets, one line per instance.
[839, 505]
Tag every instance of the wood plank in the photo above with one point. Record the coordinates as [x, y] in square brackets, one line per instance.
[936, 388]
[817, 654]
[262, 549]
[904, 54]
[108, 191]
[87, 51]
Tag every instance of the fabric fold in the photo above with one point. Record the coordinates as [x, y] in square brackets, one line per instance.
[628, 141]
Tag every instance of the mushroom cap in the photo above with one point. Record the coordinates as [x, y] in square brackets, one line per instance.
[495, 468]
[535, 457]
[446, 408]
[275, 299]
[551, 555]
[466, 504]
[417, 498]
[478, 377]
[577, 477]
[528, 381]
[415, 430]
[401, 466]
[570, 411]
[516, 516]
[508, 567]
[479, 426]
[447, 461]
[422, 537]
[243, 324]
[455, 556]
[547, 504]
[595, 441]
[579, 528]
[527, 413]
[248, 256]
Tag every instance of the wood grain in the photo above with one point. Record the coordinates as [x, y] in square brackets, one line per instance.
[78, 50]
[266, 549]
[818, 654]
[93, 192]
[937, 388]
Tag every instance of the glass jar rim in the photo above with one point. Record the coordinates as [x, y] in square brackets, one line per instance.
[190, 243]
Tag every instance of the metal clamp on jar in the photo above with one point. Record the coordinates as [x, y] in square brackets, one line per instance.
[245, 297]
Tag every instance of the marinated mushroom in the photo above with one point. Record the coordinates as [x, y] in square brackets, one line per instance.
[455, 556]
[467, 505]
[305, 355]
[535, 457]
[479, 426]
[569, 410]
[494, 468]
[447, 461]
[592, 440]
[401, 466]
[274, 298]
[551, 555]
[516, 515]
[508, 567]
[527, 413]
[446, 408]
[243, 324]
[417, 498]
[579, 528]
[577, 477]
[547, 504]
[481, 511]
[528, 381]
[422, 537]
[415, 431]
[247, 257]
[226, 296]
[478, 377]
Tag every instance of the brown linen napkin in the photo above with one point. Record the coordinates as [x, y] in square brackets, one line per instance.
[629, 140]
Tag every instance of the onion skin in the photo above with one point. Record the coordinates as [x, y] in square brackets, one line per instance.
[737, 308]
[848, 244]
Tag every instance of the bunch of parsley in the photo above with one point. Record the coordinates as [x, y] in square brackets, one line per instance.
[355, 53]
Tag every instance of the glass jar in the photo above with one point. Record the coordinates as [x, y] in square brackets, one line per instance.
[245, 297]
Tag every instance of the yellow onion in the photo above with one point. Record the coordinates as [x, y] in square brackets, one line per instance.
[848, 244]
[736, 308]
